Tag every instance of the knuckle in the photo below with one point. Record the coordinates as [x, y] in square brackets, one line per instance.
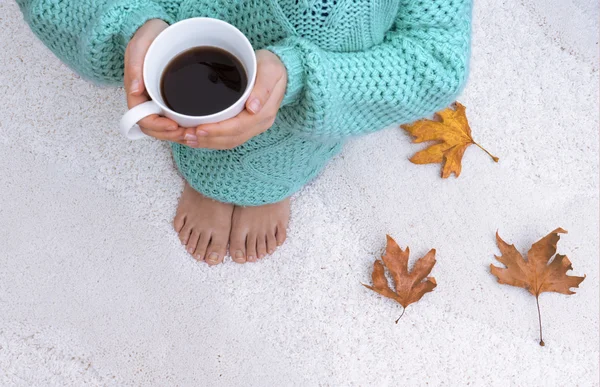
[133, 69]
[145, 127]
[270, 120]
[146, 123]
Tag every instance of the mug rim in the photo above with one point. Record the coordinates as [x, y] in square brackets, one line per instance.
[236, 31]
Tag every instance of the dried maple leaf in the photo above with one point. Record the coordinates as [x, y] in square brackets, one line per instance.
[453, 136]
[410, 287]
[537, 274]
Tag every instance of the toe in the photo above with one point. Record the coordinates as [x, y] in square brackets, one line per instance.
[237, 245]
[281, 234]
[271, 242]
[216, 248]
[202, 246]
[261, 245]
[193, 241]
[251, 248]
[178, 222]
[184, 234]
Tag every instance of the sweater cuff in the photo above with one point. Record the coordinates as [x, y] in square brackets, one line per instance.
[292, 59]
[138, 15]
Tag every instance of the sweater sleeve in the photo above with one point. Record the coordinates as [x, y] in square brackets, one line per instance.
[420, 67]
[90, 36]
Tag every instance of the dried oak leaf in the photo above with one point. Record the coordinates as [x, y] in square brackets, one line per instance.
[537, 274]
[410, 287]
[453, 136]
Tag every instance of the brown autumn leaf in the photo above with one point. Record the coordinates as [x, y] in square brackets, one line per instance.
[537, 274]
[410, 287]
[453, 136]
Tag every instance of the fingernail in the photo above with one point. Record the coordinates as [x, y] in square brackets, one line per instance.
[135, 86]
[174, 127]
[190, 250]
[191, 138]
[261, 256]
[239, 255]
[250, 258]
[254, 105]
[270, 251]
[213, 258]
[202, 133]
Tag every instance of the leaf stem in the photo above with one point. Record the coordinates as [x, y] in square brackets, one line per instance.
[403, 310]
[540, 320]
[485, 150]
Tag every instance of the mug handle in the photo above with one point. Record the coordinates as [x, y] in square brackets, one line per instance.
[128, 125]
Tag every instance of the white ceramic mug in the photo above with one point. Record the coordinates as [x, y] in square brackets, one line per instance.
[175, 39]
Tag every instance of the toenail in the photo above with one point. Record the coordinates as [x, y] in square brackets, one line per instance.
[213, 258]
[239, 255]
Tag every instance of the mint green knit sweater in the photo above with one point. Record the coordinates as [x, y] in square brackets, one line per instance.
[354, 67]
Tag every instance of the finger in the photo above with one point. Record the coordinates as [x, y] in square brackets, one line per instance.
[220, 143]
[181, 136]
[152, 122]
[134, 64]
[134, 100]
[173, 135]
[272, 105]
[189, 137]
[158, 123]
[268, 73]
[231, 127]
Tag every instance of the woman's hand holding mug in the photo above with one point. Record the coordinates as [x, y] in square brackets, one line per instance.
[261, 108]
[153, 125]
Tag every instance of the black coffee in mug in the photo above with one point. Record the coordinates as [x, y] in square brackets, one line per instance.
[203, 81]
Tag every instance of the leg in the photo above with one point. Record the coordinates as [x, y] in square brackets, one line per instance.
[257, 175]
[203, 225]
[257, 231]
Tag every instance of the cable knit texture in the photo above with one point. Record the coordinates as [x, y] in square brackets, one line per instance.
[354, 67]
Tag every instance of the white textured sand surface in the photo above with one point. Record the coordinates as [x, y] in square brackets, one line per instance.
[95, 288]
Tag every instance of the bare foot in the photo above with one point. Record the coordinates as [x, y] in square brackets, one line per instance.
[257, 231]
[203, 225]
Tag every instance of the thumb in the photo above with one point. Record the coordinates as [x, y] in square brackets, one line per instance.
[134, 64]
[135, 53]
[267, 75]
